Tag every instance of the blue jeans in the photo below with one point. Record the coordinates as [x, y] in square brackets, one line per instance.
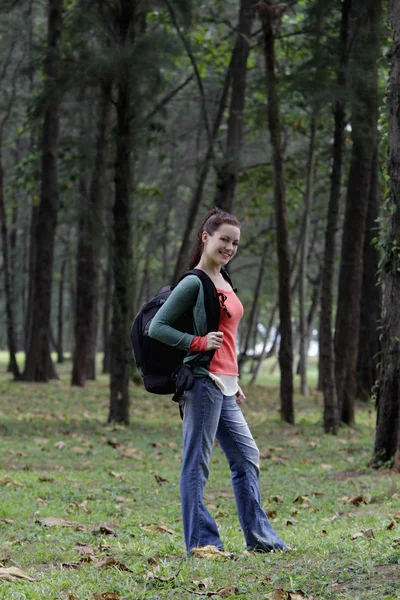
[209, 415]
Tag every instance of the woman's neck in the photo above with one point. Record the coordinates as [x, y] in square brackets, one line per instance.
[212, 270]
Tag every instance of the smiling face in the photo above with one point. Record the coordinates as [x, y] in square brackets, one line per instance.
[221, 246]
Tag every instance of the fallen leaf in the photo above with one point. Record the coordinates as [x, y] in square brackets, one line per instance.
[104, 530]
[71, 597]
[84, 549]
[204, 583]
[117, 475]
[152, 575]
[60, 445]
[152, 561]
[106, 596]
[8, 482]
[396, 543]
[160, 479]
[278, 499]
[157, 529]
[301, 499]
[326, 467]
[210, 552]
[46, 479]
[225, 592]
[271, 514]
[7, 521]
[363, 534]
[131, 453]
[391, 525]
[278, 594]
[12, 573]
[109, 561]
[357, 500]
[55, 522]
[70, 565]
[113, 443]
[396, 517]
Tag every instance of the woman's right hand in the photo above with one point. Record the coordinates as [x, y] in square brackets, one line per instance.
[214, 340]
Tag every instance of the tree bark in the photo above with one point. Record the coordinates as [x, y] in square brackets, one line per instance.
[256, 296]
[364, 125]
[60, 313]
[371, 296]
[90, 227]
[387, 438]
[285, 311]
[303, 266]
[108, 283]
[326, 346]
[8, 291]
[121, 354]
[38, 362]
[227, 174]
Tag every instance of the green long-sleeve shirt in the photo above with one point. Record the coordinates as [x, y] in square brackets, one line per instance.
[188, 296]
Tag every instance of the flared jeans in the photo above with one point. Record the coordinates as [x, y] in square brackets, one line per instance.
[208, 415]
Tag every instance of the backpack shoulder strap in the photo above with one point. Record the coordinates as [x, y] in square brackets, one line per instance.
[211, 302]
[227, 278]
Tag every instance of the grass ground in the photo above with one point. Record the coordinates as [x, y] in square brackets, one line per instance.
[113, 495]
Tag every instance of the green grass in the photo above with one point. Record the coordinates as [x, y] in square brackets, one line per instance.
[59, 458]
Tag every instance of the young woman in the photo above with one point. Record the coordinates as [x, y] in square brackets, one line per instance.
[211, 408]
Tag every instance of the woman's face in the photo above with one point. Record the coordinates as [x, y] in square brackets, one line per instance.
[222, 245]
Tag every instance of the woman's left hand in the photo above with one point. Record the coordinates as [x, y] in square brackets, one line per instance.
[240, 397]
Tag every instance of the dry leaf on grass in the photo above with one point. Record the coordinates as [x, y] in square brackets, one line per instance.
[71, 597]
[71, 565]
[106, 596]
[84, 549]
[278, 499]
[104, 530]
[363, 534]
[152, 561]
[110, 561]
[281, 594]
[160, 480]
[13, 573]
[152, 575]
[204, 583]
[157, 529]
[357, 500]
[117, 475]
[7, 521]
[46, 479]
[131, 453]
[8, 482]
[55, 522]
[210, 552]
[391, 525]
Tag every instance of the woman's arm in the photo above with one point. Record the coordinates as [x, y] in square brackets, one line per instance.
[181, 301]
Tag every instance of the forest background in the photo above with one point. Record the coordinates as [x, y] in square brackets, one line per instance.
[122, 122]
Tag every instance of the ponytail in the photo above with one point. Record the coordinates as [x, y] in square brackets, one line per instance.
[211, 223]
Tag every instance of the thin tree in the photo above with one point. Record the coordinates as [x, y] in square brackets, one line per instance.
[387, 438]
[90, 228]
[38, 363]
[228, 171]
[326, 348]
[365, 54]
[270, 17]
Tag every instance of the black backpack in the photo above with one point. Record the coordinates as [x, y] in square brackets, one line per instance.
[158, 363]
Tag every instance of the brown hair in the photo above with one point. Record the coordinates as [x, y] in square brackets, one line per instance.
[212, 222]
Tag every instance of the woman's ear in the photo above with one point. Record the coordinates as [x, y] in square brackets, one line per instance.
[204, 237]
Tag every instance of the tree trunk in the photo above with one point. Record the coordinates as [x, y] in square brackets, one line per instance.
[256, 296]
[304, 342]
[90, 228]
[387, 440]
[121, 354]
[371, 296]
[38, 363]
[8, 291]
[227, 175]
[60, 313]
[107, 313]
[285, 312]
[197, 196]
[326, 347]
[364, 125]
